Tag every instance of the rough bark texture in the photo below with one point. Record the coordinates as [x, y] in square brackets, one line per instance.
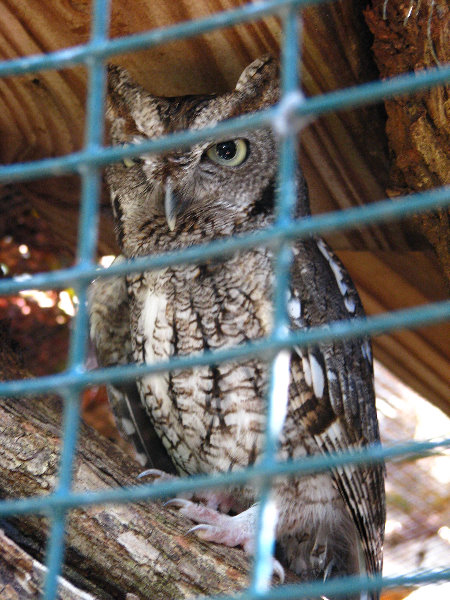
[411, 36]
[21, 576]
[139, 548]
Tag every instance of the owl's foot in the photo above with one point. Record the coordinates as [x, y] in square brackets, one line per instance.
[215, 526]
[220, 528]
[215, 500]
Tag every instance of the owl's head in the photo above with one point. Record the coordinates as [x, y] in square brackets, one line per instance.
[214, 188]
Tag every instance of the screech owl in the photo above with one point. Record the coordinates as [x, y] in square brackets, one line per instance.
[212, 419]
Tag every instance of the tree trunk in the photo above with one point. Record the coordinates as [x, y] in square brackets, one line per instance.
[413, 36]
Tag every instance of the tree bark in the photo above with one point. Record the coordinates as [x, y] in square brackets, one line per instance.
[139, 548]
[22, 577]
[413, 36]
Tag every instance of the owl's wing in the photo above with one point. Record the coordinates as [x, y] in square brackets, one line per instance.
[110, 335]
[135, 425]
[336, 381]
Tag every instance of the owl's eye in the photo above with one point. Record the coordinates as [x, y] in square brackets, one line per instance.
[130, 162]
[230, 153]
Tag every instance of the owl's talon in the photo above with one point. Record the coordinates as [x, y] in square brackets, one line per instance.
[278, 570]
[210, 533]
[156, 474]
[199, 528]
[177, 503]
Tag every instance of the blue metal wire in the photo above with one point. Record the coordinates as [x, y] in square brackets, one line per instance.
[285, 119]
[338, 588]
[352, 97]
[102, 49]
[265, 347]
[278, 391]
[86, 250]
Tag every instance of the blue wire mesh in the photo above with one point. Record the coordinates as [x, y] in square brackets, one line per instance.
[88, 163]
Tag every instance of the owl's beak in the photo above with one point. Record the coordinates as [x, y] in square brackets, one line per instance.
[170, 205]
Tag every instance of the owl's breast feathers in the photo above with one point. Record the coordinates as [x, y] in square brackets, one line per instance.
[210, 418]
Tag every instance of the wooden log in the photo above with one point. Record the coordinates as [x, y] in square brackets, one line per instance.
[22, 577]
[139, 548]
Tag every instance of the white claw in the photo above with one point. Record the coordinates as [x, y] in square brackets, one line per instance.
[199, 528]
[154, 473]
[278, 570]
[177, 503]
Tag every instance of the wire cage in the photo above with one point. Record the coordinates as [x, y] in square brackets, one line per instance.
[292, 108]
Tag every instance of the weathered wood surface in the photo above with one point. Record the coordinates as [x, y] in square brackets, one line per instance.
[111, 550]
[22, 576]
[344, 155]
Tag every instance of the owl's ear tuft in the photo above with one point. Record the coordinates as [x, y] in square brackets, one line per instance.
[117, 77]
[130, 107]
[258, 85]
[121, 92]
[264, 71]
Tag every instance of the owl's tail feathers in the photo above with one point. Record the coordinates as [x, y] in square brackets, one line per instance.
[325, 550]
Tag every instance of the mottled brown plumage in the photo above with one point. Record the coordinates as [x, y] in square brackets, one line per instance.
[212, 419]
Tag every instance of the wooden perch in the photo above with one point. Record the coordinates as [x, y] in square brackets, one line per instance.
[139, 548]
[21, 576]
